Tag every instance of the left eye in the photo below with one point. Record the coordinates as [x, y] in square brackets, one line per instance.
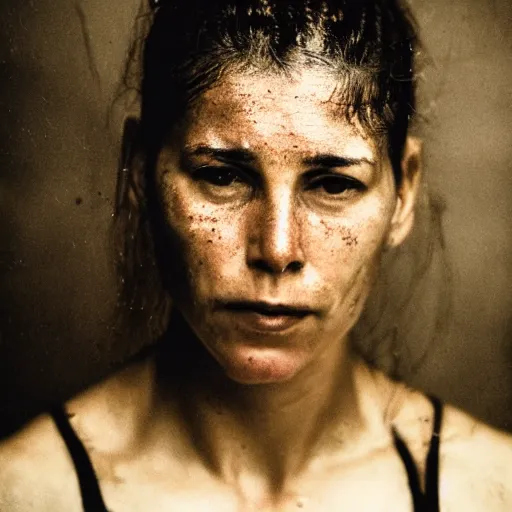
[336, 185]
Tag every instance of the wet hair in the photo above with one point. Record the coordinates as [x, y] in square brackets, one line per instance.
[189, 46]
[368, 45]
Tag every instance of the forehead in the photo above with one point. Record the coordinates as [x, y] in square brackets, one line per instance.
[255, 110]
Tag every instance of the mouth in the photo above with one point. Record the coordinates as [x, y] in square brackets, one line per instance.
[267, 309]
[266, 317]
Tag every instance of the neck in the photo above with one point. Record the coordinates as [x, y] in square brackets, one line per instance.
[271, 431]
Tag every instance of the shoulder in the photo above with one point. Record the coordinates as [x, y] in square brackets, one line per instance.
[476, 463]
[36, 469]
[36, 472]
[475, 459]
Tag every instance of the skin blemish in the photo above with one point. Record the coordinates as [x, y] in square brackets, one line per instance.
[346, 236]
[336, 243]
[79, 201]
[350, 240]
[205, 218]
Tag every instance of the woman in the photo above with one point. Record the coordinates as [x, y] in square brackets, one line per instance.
[273, 169]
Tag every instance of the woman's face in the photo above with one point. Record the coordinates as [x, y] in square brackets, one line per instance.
[280, 209]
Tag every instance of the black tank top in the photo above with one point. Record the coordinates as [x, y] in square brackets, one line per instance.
[427, 501]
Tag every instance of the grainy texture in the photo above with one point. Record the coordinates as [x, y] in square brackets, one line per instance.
[61, 62]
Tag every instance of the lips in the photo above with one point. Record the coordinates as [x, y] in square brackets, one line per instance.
[266, 317]
[265, 308]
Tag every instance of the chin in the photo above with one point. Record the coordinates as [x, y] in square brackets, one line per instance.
[253, 365]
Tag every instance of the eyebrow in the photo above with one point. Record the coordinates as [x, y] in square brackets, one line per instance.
[328, 160]
[239, 155]
[246, 157]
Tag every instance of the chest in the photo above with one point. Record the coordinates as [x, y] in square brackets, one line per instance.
[373, 486]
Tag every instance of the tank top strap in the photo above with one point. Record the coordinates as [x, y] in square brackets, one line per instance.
[92, 499]
[427, 501]
[432, 465]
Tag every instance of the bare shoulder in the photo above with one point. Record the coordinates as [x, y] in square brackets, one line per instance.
[475, 465]
[35, 470]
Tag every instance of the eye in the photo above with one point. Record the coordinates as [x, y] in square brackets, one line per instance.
[218, 176]
[223, 183]
[335, 185]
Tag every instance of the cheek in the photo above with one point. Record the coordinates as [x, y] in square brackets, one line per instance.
[345, 253]
[208, 235]
[349, 241]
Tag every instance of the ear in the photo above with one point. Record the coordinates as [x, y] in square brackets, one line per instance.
[411, 167]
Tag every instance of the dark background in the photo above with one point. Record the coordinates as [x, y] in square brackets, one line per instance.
[60, 65]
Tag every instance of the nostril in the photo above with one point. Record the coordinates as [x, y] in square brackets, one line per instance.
[263, 266]
[294, 266]
[267, 267]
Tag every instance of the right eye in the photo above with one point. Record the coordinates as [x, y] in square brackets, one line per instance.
[218, 176]
[222, 183]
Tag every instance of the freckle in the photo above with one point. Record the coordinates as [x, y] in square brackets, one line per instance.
[250, 359]
[210, 241]
[78, 201]
[190, 217]
[213, 230]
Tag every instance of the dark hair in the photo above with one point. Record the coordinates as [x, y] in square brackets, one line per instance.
[368, 44]
[189, 45]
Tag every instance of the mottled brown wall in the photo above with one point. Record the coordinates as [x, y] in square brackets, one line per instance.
[60, 62]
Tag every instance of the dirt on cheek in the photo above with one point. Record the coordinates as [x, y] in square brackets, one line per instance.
[345, 234]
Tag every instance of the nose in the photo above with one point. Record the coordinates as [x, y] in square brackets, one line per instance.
[275, 236]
